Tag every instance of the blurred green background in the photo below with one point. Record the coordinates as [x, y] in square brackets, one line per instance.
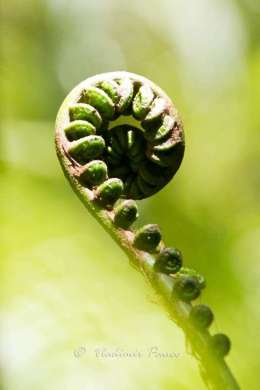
[66, 288]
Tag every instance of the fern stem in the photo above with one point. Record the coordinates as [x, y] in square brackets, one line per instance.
[147, 107]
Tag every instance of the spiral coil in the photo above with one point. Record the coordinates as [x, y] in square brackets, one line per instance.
[144, 156]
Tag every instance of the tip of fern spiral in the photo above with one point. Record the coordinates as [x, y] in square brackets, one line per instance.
[145, 155]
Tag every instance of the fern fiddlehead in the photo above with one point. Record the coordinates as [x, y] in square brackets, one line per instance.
[110, 166]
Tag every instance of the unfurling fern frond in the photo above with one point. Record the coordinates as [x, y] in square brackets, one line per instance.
[111, 165]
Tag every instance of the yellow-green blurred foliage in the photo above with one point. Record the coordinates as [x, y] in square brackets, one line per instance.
[66, 288]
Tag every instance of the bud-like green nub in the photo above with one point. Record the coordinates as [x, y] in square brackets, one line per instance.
[126, 213]
[87, 148]
[79, 129]
[201, 316]
[94, 173]
[100, 100]
[157, 109]
[191, 272]
[147, 238]
[86, 112]
[221, 344]
[186, 288]
[126, 91]
[165, 128]
[111, 88]
[142, 102]
[109, 192]
[169, 261]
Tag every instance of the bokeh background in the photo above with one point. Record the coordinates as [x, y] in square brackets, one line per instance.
[66, 288]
